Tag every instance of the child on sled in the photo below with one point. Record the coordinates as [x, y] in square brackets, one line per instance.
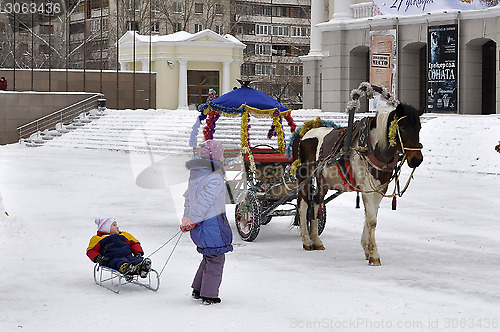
[117, 250]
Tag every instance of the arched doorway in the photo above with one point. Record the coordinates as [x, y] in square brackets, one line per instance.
[489, 78]
[412, 74]
[478, 77]
[359, 70]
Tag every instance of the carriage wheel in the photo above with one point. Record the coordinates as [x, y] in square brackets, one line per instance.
[322, 219]
[248, 216]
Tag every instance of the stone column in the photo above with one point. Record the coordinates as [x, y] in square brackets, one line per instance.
[317, 16]
[183, 95]
[226, 77]
[342, 9]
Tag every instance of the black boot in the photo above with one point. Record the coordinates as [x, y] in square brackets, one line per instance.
[196, 294]
[210, 300]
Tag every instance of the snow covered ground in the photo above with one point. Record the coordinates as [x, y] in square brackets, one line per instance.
[439, 250]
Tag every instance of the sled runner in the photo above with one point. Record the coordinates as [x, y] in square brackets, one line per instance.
[113, 280]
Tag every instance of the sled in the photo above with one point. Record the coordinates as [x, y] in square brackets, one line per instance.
[113, 280]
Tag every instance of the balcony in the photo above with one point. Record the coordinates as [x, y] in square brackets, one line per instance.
[361, 10]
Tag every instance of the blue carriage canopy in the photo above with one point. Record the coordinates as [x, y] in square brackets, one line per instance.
[243, 102]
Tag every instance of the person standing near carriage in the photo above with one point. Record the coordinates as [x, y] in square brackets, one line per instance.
[3, 84]
[211, 95]
[205, 218]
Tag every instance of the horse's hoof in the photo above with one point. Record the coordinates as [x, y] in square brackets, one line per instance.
[307, 248]
[374, 261]
[367, 256]
[318, 247]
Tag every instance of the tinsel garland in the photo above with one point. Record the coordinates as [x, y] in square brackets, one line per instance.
[293, 168]
[271, 133]
[209, 129]
[393, 129]
[308, 125]
[291, 123]
[279, 130]
[245, 143]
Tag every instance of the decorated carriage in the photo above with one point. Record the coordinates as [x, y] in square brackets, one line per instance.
[265, 188]
[364, 157]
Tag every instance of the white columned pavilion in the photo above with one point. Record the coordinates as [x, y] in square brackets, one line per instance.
[226, 77]
[183, 100]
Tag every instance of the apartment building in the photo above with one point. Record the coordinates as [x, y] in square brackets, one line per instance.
[276, 33]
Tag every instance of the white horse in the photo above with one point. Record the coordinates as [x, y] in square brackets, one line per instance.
[377, 145]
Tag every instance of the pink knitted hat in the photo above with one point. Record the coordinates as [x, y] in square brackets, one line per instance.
[211, 149]
[104, 224]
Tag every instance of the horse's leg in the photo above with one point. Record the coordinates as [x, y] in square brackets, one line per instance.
[371, 201]
[302, 205]
[318, 199]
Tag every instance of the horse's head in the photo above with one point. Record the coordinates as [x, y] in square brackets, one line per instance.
[408, 119]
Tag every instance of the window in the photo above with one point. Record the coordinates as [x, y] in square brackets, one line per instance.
[219, 29]
[219, 9]
[263, 49]
[301, 31]
[198, 27]
[155, 7]
[295, 70]
[265, 70]
[177, 7]
[45, 49]
[132, 26]
[261, 10]
[198, 8]
[248, 69]
[76, 28]
[132, 4]
[176, 26]
[262, 30]
[279, 11]
[155, 27]
[280, 31]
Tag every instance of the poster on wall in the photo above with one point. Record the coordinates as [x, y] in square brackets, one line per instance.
[382, 59]
[442, 68]
[405, 7]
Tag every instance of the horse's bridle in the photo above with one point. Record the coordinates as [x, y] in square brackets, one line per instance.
[401, 140]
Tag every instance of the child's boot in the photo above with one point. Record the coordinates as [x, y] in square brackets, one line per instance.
[123, 268]
[210, 300]
[144, 268]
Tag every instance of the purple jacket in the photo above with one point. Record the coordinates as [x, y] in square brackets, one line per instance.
[205, 206]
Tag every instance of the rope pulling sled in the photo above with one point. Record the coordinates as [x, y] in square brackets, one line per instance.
[113, 280]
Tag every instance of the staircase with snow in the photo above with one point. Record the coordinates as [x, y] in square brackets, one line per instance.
[167, 132]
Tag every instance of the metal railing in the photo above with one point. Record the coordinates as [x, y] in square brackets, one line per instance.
[64, 116]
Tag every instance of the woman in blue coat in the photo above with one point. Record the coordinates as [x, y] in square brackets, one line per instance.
[205, 217]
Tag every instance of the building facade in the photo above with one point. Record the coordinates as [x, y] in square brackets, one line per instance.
[186, 65]
[276, 33]
[340, 56]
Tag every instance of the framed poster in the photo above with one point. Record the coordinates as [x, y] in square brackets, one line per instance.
[383, 59]
[442, 68]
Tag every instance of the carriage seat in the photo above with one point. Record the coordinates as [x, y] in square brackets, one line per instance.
[269, 156]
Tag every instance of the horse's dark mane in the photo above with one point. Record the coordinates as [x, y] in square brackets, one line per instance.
[412, 114]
